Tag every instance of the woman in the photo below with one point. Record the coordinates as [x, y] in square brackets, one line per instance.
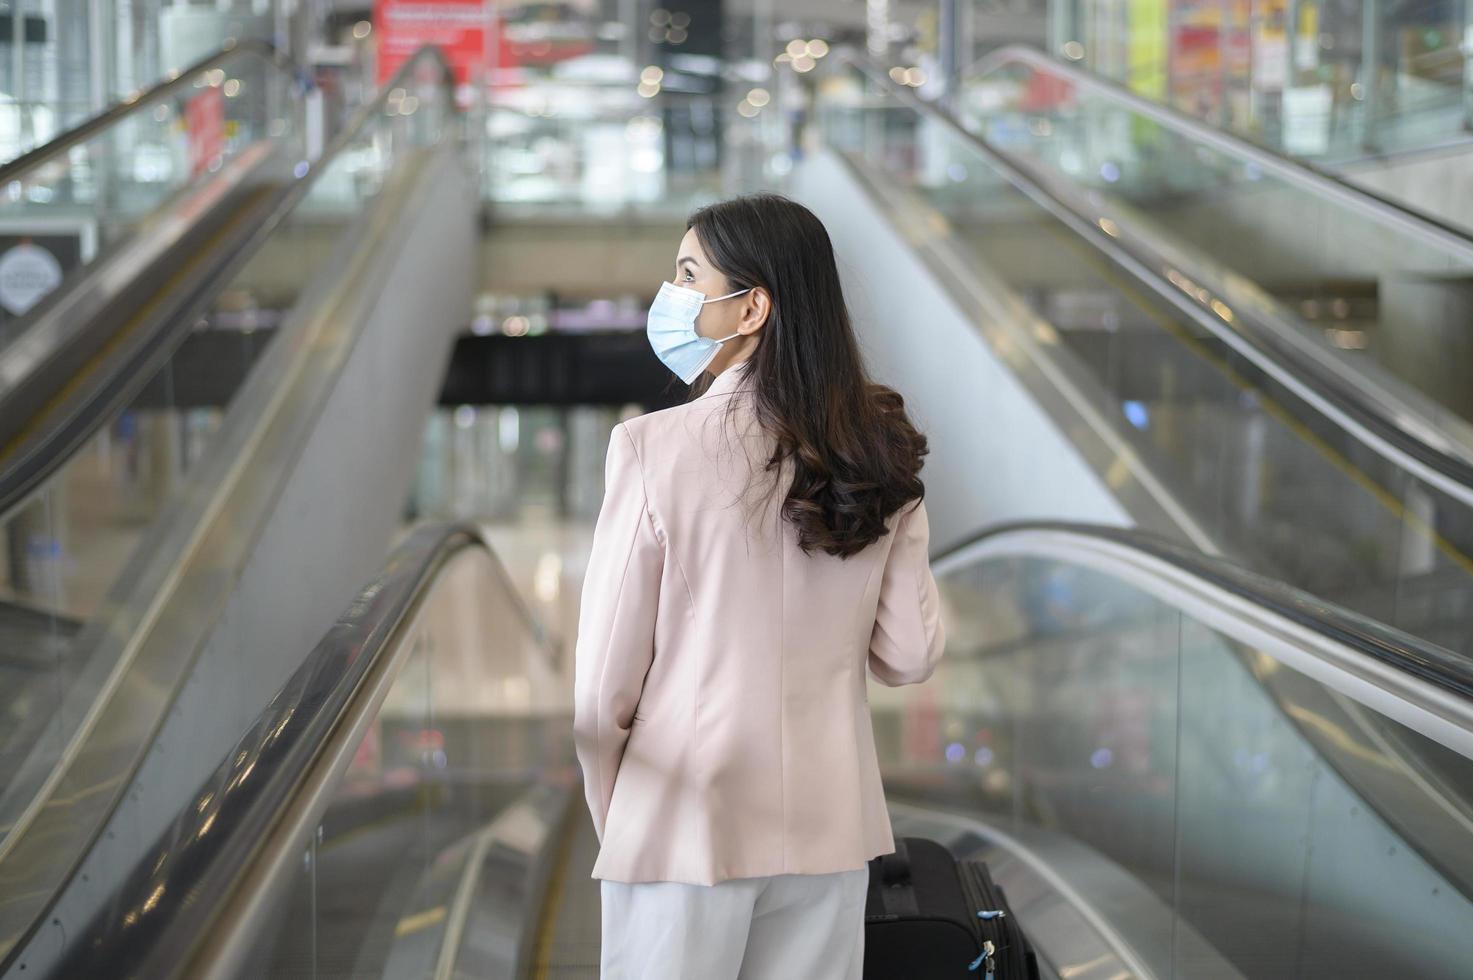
[756, 548]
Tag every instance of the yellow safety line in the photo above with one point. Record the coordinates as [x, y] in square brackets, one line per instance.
[542, 945]
[1271, 406]
[419, 921]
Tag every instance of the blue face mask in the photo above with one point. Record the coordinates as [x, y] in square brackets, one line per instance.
[671, 328]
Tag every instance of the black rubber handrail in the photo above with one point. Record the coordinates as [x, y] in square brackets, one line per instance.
[213, 842]
[1347, 405]
[69, 424]
[17, 168]
[1434, 664]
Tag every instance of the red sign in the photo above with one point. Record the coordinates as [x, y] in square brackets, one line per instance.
[464, 29]
[1044, 92]
[204, 126]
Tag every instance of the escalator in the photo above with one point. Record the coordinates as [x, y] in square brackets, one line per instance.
[124, 235]
[1401, 130]
[408, 755]
[1178, 392]
[1117, 727]
[224, 403]
[134, 224]
[1176, 764]
[1381, 287]
[1264, 763]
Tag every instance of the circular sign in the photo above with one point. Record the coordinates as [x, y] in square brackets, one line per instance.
[27, 273]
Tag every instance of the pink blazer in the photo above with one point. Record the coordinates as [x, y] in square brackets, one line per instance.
[721, 711]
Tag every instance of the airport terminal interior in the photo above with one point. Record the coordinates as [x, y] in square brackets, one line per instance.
[316, 317]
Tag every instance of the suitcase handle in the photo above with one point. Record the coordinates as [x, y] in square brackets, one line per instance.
[895, 868]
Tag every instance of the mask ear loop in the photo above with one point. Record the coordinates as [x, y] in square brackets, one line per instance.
[717, 299]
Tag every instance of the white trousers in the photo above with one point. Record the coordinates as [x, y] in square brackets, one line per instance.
[782, 927]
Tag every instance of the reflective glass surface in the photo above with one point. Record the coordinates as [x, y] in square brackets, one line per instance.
[585, 149]
[458, 745]
[1251, 800]
[172, 158]
[1254, 471]
[1322, 79]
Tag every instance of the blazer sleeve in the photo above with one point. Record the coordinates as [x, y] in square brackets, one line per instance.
[616, 624]
[908, 636]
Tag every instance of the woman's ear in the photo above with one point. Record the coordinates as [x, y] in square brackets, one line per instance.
[756, 308]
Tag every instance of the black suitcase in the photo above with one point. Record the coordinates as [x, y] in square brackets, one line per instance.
[928, 915]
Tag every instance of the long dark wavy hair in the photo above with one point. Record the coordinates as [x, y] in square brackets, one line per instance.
[856, 457]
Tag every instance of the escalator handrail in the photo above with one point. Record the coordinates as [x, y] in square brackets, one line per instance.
[1387, 423]
[231, 50]
[1445, 678]
[242, 832]
[1356, 669]
[1303, 174]
[92, 829]
[68, 426]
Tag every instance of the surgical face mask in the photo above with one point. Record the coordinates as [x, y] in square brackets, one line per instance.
[671, 328]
